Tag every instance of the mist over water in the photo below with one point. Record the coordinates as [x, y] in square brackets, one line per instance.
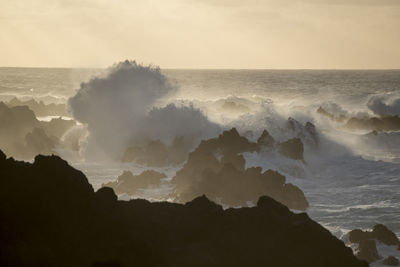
[351, 177]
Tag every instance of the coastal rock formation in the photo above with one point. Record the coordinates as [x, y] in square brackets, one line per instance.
[265, 140]
[217, 169]
[22, 135]
[51, 216]
[157, 154]
[40, 108]
[292, 148]
[379, 232]
[127, 183]
[367, 241]
[367, 251]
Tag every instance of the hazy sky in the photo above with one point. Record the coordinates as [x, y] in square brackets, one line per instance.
[201, 34]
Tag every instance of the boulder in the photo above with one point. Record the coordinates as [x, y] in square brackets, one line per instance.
[367, 251]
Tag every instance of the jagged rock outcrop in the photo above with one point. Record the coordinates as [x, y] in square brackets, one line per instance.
[266, 140]
[307, 132]
[22, 135]
[127, 183]
[367, 251]
[51, 216]
[217, 169]
[367, 241]
[379, 232]
[292, 148]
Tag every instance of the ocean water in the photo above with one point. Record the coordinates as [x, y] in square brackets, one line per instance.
[352, 179]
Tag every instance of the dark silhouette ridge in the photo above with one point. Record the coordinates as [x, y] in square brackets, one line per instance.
[367, 241]
[51, 216]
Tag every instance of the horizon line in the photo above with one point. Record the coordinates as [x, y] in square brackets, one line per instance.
[214, 69]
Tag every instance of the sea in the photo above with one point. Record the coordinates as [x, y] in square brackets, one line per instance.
[351, 180]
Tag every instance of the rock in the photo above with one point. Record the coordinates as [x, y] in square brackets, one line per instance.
[384, 235]
[40, 108]
[38, 142]
[367, 251]
[157, 154]
[129, 184]
[51, 216]
[379, 232]
[23, 136]
[292, 148]
[215, 168]
[266, 139]
[366, 241]
[391, 261]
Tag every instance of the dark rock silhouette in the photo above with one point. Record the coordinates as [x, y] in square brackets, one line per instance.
[51, 216]
[307, 133]
[367, 251]
[266, 139]
[129, 184]
[217, 169]
[292, 148]
[367, 244]
[391, 261]
[379, 232]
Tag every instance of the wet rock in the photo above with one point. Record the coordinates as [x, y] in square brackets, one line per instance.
[379, 232]
[217, 170]
[292, 148]
[266, 139]
[391, 261]
[367, 251]
[366, 241]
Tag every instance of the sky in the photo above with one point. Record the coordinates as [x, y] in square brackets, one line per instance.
[236, 34]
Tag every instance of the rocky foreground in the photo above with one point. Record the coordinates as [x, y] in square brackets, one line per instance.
[51, 216]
